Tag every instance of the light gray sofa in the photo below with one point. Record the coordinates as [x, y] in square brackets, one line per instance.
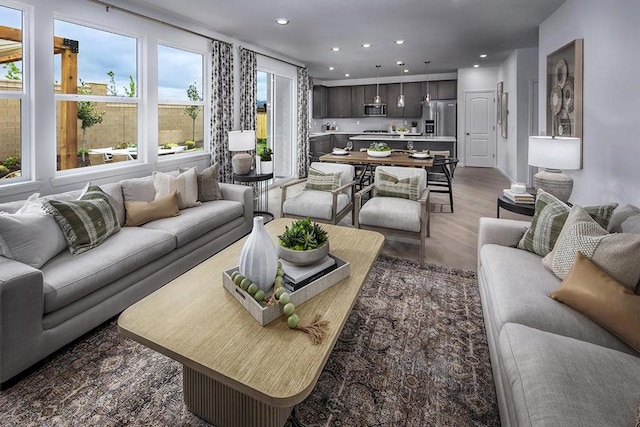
[43, 309]
[551, 365]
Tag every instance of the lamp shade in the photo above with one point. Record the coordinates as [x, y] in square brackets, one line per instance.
[242, 140]
[562, 153]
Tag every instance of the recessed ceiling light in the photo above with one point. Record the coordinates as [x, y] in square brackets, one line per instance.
[331, 68]
[484, 55]
[399, 41]
[366, 45]
[282, 21]
[406, 71]
[476, 65]
[399, 62]
[335, 49]
[347, 75]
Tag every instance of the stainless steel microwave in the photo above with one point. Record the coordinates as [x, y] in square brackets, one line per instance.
[374, 110]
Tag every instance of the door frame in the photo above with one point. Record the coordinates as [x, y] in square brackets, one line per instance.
[493, 137]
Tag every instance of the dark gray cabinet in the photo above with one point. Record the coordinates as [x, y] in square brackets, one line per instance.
[339, 102]
[357, 101]
[442, 89]
[319, 102]
[412, 100]
[370, 93]
[393, 92]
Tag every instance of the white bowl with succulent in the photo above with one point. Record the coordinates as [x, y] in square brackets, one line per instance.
[379, 149]
[402, 131]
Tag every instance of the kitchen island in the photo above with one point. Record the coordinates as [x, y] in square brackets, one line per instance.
[434, 143]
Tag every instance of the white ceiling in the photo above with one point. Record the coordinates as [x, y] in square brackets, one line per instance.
[449, 33]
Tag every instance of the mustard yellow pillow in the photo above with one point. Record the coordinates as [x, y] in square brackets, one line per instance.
[139, 213]
[601, 298]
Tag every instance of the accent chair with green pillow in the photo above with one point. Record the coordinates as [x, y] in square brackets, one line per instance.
[399, 204]
[548, 219]
[327, 196]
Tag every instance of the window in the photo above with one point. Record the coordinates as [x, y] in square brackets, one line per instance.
[181, 118]
[97, 114]
[13, 96]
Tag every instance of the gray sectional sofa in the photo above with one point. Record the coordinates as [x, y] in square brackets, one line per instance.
[552, 366]
[43, 309]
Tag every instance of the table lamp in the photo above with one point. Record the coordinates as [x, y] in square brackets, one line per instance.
[242, 140]
[555, 154]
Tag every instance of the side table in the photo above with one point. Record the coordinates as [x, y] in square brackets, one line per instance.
[520, 208]
[260, 184]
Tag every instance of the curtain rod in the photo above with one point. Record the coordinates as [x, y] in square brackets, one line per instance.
[272, 57]
[140, 15]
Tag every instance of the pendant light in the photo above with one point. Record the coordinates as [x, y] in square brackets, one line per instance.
[427, 97]
[401, 97]
[377, 100]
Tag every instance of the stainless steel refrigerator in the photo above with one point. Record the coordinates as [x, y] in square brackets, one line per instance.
[439, 118]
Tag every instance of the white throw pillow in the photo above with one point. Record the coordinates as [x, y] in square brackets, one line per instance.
[185, 184]
[30, 236]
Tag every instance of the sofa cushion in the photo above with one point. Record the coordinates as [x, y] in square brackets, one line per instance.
[321, 181]
[138, 189]
[86, 223]
[139, 213]
[560, 381]
[313, 203]
[597, 295]
[617, 254]
[68, 277]
[193, 223]
[549, 217]
[620, 215]
[185, 184]
[32, 239]
[515, 287]
[391, 212]
[208, 183]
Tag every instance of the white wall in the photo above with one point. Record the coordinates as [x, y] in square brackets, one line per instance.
[611, 150]
[470, 80]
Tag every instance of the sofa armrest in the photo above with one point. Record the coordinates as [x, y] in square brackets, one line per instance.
[21, 312]
[505, 232]
[242, 194]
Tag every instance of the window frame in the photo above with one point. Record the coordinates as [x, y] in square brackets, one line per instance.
[141, 156]
[206, 87]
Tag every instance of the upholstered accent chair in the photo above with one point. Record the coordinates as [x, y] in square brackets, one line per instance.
[399, 204]
[327, 197]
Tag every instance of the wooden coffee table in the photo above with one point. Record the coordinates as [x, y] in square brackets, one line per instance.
[236, 372]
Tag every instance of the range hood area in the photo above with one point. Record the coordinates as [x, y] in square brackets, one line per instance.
[375, 110]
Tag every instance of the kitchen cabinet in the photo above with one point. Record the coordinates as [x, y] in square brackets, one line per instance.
[412, 100]
[339, 102]
[357, 101]
[370, 93]
[319, 102]
[393, 92]
[319, 145]
[442, 89]
[340, 140]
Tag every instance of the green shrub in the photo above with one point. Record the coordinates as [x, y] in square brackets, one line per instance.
[189, 144]
[3, 169]
[11, 161]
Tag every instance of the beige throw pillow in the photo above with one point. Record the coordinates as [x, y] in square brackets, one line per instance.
[139, 213]
[601, 298]
[616, 254]
[185, 184]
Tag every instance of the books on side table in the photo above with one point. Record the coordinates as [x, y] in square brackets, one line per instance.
[298, 276]
[522, 198]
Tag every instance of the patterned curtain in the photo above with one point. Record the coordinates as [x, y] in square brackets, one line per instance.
[248, 89]
[221, 107]
[304, 85]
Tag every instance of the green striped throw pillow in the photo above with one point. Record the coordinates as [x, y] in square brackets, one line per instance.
[549, 218]
[86, 222]
[318, 180]
[391, 186]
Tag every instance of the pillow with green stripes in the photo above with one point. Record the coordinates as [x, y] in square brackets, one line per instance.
[549, 218]
[389, 185]
[86, 222]
[321, 181]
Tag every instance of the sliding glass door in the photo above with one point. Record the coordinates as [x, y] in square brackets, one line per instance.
[276, 120]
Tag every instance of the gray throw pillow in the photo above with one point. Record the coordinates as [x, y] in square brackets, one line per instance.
[321, 181]
[548, 219]
[208, 183]
[87, 222]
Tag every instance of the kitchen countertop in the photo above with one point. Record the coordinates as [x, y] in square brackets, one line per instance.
[377, 137]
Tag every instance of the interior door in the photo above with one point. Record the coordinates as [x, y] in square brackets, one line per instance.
[480, 133]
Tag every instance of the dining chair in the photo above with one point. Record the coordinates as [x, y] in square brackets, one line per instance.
[440, 176]
[398, 204]
[327, 197]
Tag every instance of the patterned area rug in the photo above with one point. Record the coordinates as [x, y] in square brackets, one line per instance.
[413, 353]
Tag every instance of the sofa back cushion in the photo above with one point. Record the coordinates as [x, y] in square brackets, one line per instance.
[138, 189]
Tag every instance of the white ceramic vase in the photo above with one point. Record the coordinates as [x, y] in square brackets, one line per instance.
[266, 167]
[259, 259]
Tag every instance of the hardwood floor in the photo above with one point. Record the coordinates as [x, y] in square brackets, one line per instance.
[454, 236]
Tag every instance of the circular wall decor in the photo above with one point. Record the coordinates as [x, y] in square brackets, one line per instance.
[567, 93]
[563, 122]
[561, 72]
[555, 100]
